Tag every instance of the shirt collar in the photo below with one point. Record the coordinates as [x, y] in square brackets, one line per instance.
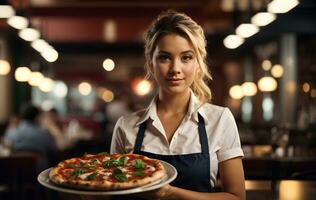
[150, 112]
[195, 107]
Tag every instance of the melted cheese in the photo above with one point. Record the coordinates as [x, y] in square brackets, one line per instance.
[85, 175]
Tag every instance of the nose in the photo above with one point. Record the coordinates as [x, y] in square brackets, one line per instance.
[175, 67]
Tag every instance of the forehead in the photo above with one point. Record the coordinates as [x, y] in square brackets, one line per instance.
[173, 43]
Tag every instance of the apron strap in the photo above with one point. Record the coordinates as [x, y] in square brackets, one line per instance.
[140, 136]
[203, 135]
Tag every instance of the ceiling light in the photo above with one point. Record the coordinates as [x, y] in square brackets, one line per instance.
[4, 67]
[6, 11]
[306, 87]
[108, 64]
[267, 84]
[249, 89]
[236, 92]
[263, 18]
[277, 71]
[233, 41]
[107, 96]
[246, 30]
[60, 89]
[29, 34]
[141, 87]
[40, 45]
[84, 88]
[50, 55]
[282, 6]
[46, 85]
[18, 22]
[35, 79]
[266, 65]
[22, 74]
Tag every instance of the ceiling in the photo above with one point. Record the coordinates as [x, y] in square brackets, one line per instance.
[125, 20]
[84, 31]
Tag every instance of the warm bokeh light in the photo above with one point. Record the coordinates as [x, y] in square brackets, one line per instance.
[84, 88]
[29, 34]
[35, 79]
[50, 55]
[267, 84]
[108, 64]
[249, 89]
[313, 93]
[282, 6]
[246, 30]
[266, 65]
[263, 18]
[46, 84]
[306, 87]
[290, 189]
[107, 96]
[4, 67]
[22, 74]
[40, 45]
[141, 87]
[236, 92]
[60, 89]
[6, 11]
[18, 22]
[277, 71]
[233, 41]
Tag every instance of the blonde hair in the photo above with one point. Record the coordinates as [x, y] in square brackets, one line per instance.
[172, 22]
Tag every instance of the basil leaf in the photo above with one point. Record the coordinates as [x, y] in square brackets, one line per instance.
[93, 162]
[122, 160]
[111, 163]
[92, 176]
[119, 175]
[139, 164]
[138, 174]
[77, 172]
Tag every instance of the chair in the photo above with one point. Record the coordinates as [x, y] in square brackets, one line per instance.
[18, 176]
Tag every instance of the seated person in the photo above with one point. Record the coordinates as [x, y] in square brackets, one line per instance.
[30, 137]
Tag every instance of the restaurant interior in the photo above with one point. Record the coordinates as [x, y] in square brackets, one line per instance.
[82, 63]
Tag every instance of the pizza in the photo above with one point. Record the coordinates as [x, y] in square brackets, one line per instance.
[107, 171]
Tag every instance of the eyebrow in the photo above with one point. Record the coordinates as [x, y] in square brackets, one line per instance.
[183, 52]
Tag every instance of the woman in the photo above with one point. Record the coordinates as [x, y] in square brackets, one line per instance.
[180, 126]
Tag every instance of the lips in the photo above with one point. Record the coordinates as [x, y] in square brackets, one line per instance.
[174, 81]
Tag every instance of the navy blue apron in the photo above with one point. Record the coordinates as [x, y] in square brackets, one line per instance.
[193, 169]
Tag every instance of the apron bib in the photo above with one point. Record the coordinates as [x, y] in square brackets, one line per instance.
[193, 169]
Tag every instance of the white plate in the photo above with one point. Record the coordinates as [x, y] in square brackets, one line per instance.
[171, 175]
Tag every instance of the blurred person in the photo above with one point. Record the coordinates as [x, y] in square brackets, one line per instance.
[51, 122]
[30, 137]
[180, 126]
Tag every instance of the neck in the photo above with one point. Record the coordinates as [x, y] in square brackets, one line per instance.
[174, 103]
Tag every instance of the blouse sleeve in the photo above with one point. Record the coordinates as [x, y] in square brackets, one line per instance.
[229, 141]
[118, 139]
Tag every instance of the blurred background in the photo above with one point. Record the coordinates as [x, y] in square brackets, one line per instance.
[77, 65]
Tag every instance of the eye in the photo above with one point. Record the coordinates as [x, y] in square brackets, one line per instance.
[163, 58]
[186, 58]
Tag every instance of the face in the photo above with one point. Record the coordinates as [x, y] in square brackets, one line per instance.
[174, 64]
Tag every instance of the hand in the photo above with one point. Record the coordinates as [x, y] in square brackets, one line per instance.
[163, 193]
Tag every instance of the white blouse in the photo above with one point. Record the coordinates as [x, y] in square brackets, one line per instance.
[222, 133]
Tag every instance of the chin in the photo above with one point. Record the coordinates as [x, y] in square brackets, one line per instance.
[176, 90]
